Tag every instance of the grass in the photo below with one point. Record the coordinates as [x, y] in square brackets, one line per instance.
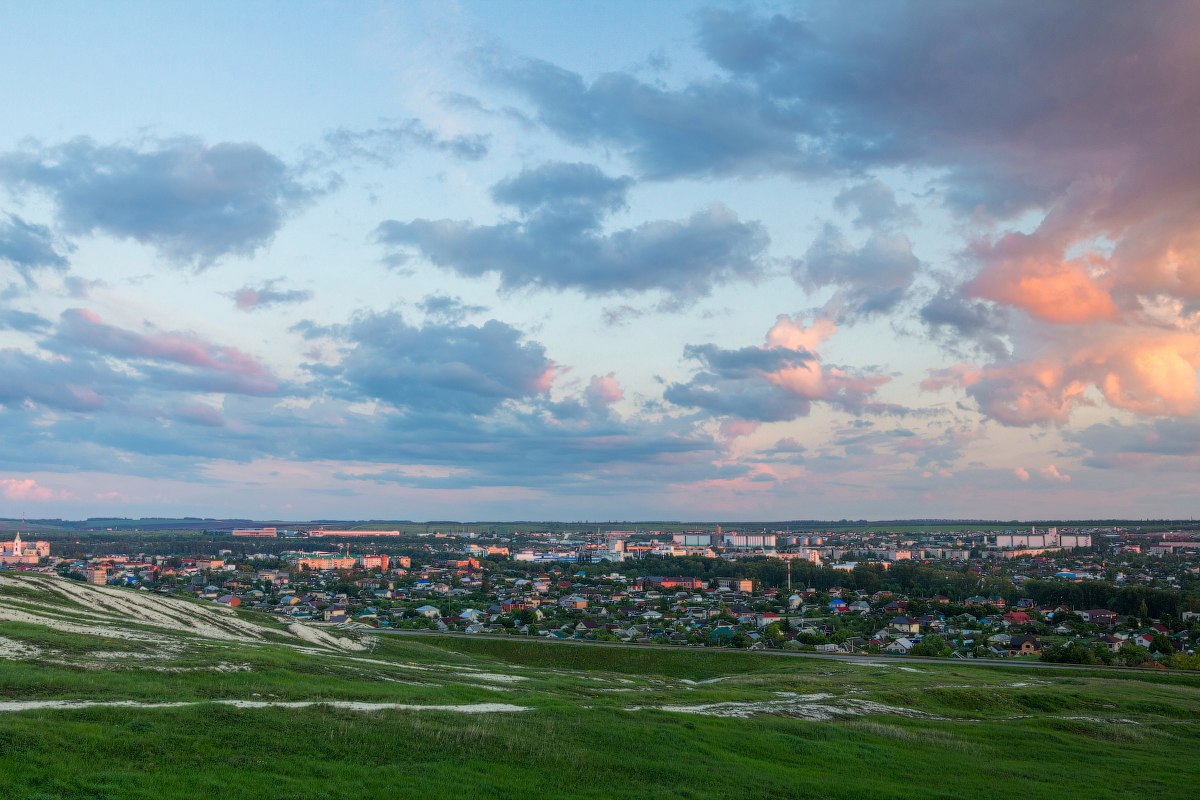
[318, 753]
[592, 730]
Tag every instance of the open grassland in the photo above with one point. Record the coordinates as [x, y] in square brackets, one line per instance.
[101, 699]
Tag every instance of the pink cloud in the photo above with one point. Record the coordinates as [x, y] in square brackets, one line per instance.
[779, 379]
[1047, 474]
[809, 379]
[545, 381]
[1043, 284]
[792, 334]
[959, 375]
[604, 390]
[1146, 371]
[29, 489]
[82, 328]
[1052, 473]
[737, 428]
[247, 298]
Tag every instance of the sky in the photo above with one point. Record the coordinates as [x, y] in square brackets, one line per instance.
[600, 261]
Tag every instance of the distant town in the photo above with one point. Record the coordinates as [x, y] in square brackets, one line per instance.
[1100, 595]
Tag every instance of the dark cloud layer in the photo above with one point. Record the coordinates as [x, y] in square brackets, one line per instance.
[834, 89]
[559, 243]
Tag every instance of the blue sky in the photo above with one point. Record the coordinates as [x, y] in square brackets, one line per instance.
[599, 260]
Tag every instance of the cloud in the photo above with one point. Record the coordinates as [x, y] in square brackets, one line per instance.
[24, 321]
[603, 390]
[443, 308]
[832, 89]
[558, 242]
[192, 202]
[1021, 274]
[1149, 373]
[465, 406]
[615, 316]
[709, 129]
[1051, 473]
[871, 279]
[28, 247]
[80, 288]
[384, 145]
[738, 428]
[182, 361]
[199, 414]
[939, 449]
[876, 205]
[562, 184]
[1076, 116]
[955, 321]
[55, 384]
[1047, 474]
[440, 367]
[1168, 444]
[29, 489]
[775, 382]
[250, 298]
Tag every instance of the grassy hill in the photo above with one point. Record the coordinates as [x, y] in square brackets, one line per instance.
[109, 693]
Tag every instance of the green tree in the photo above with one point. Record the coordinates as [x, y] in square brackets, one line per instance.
[1134, 656]
[931, 646]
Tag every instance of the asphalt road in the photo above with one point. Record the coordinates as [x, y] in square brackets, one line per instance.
[860, 659]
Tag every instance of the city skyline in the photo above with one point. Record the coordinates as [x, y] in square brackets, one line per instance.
[600, 261]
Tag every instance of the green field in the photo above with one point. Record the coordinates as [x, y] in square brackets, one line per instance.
[551, 720]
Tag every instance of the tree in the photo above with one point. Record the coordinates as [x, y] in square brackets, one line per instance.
[1184, 661]
[1074, 652]
[1159, 643]
[1134, 656]
[931, 646]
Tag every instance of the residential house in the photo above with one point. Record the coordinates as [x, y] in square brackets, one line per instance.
[1099, 616]
[1024, 646]
[1016, 618]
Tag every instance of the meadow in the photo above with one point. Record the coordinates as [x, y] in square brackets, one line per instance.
[98, 700]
